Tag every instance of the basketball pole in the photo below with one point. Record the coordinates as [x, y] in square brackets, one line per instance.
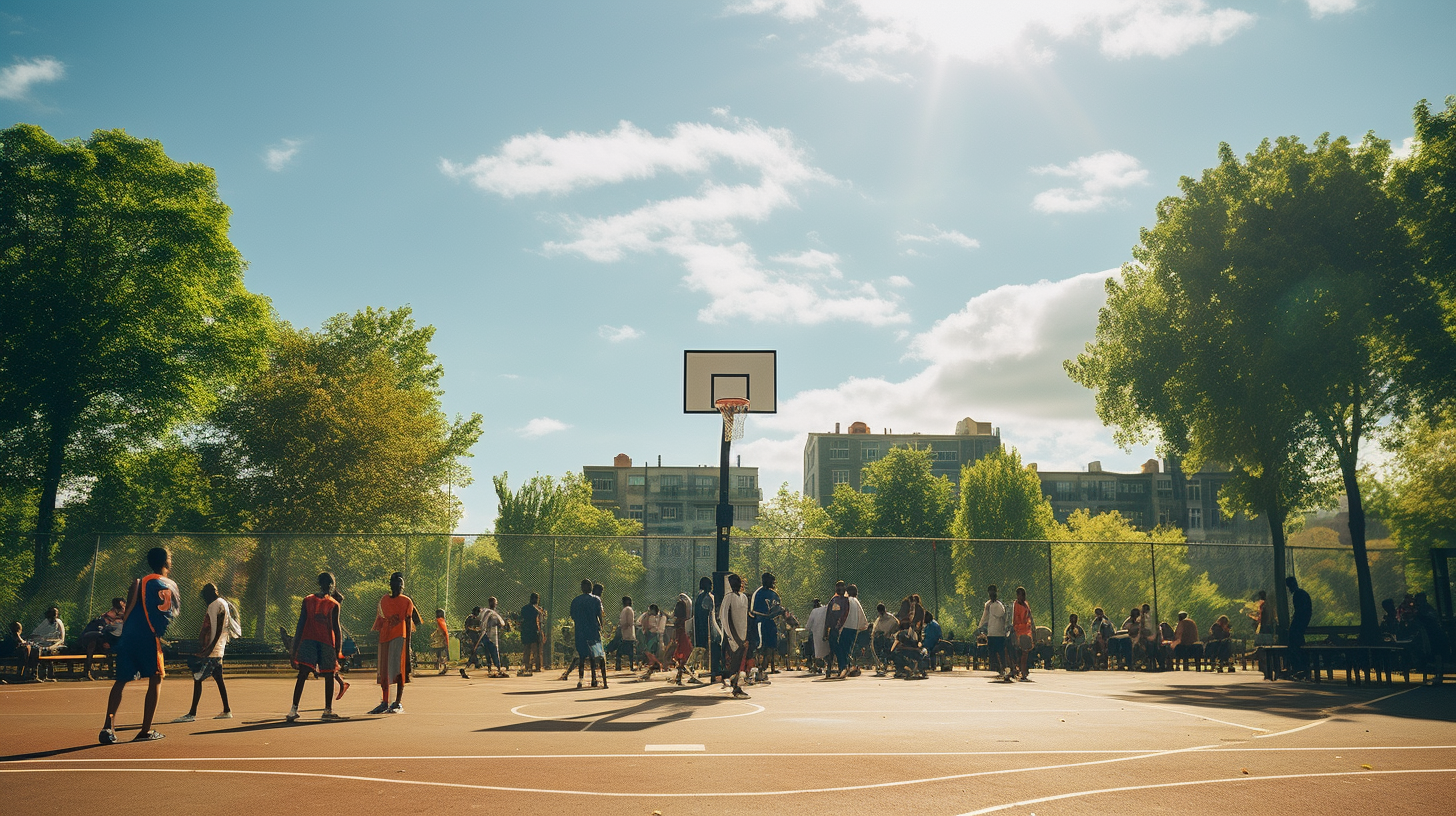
[725, 524]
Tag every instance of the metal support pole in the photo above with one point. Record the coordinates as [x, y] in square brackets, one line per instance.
[1153, 557]
[1051, 591]
[724, 526]
[91, 593]
[935, 577]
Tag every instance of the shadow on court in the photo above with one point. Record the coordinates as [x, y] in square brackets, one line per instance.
[1303, 701]
[639, 711]
[53, 752]
[270, 725]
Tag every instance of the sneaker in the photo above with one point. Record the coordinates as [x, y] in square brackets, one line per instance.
[185, 718]
[330, 715]
[578, 684]
[106, 737]
[695, 680]
[379, 709]
[395, 709]
[343, 687]
[463, 674]
[740, 694]
[148, 736]
[226, 715]
[290, 716]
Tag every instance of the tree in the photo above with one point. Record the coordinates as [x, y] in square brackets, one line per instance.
[908, 500]
[999, 499]
[1276, 301]
[851, 513]
[1417, 499]
[791, 533]
[122, 302]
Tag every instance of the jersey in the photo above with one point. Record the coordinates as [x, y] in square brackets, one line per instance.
[156, 606]
[586, 611]
[703, 618]
[318, 619]
[392, 616]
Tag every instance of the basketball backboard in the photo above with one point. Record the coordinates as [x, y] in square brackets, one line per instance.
[714, 375]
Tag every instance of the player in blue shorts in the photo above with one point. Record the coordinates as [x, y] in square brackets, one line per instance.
[766, 607]
[151, 606]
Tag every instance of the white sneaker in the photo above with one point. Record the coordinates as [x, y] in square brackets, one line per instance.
[185, 718]
[226, 715]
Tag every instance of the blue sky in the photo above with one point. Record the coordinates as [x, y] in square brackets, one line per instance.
[914, 202]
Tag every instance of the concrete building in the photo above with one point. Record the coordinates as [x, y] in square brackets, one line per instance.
[1158, 494]
[678, 504]
[837, 458]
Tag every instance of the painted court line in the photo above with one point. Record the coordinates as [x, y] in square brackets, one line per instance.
[1078, 794]
[1330, 713]
[669, 748]
[612, 794]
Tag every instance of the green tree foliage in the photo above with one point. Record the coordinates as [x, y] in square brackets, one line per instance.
[1417, 499]
[1424, 185]
[122, 303]
[791, 534]
[163, 487]
[999, 499]
[851, 513]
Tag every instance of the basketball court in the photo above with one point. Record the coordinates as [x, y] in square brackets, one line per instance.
[1103, 742]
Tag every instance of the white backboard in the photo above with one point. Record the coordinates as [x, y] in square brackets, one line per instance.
[713, 375]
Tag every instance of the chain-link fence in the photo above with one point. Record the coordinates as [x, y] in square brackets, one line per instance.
[266, 576]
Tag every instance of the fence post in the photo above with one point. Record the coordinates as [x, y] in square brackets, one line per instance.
[1051, 591]
[935, 577]
[446, 605]
[548, 637]
[91, 593]
[1153, 557]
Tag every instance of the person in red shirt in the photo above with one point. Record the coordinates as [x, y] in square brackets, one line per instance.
[316, 643]
[394, 620]
[1022, 626]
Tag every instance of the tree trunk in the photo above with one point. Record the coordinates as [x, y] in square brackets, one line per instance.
[1369, 618]
[45, 517]
[1276, 514]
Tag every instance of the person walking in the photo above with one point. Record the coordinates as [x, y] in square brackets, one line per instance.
[994, 627]
[395, 620]
[818, 642]
[1299, 618]
[856, 622]
[652, 624]
[533, 623]
[470, 642]
[217, 629]
[316, 641]
[682, 625]
[733, 615]
[440, 642]
[492, 624]
[627, 635]
[764, 607]
[152, 604]
[586, 620]
[1023, 626]
[706, 635]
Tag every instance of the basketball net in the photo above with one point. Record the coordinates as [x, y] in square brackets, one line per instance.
[734, 411]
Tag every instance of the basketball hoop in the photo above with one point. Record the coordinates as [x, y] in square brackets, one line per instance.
[734, 410]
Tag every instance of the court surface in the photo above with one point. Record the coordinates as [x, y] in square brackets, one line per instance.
[1067, 743]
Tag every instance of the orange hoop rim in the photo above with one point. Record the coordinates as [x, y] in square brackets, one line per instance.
[731, 405]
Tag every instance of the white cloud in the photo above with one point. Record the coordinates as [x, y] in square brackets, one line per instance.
[1319, 8]
[540, 426]
[939, 236]
[1407, 147]
[899, 281]
[1097, 175]
[16, 79]
[998, 359]
[617, 334]
[281, 155]
[700, 230]
[869, 35]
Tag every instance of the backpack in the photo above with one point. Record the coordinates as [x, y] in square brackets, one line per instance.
[235, 624]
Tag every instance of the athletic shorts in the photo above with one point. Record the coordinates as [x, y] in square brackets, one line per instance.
[319, 657]
[201, 667]
[139, 660]
[584, 647]
[733, 659]
[530, 636]
[768, 635]
[598, 650]
[650, 643]
[392, 666]
[1023, 642]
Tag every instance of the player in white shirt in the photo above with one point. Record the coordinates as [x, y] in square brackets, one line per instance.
[733, 618]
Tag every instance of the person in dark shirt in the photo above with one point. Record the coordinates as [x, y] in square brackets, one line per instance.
[586, 620]
[531, 624]
[705, 635]
[1298, 623]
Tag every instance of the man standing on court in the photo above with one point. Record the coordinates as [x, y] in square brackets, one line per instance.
[705, 630]
[586, 620]
[818, 645]
[763, 607]
[151, 606]
[533, 619]
[834, 619]
[855, 622]
[394, 620]
[316, 642]
[995, 627]
[1298, 622]
[216, 629]
[627, 635]
[734, 620]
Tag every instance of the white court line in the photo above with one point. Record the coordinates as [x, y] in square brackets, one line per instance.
[1330, 713]
[744, 755]
[1153, 706]
[519, 713]
[612, 794]
[669, 748]
[1060, 796]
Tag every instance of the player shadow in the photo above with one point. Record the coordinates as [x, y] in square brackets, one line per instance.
[280, 723]
[639, 706]
[1303, 700]
[563, 690]
[53, 752]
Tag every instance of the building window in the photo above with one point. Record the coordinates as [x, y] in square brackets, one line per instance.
[1137, 519]
[747, 482]
[1195, 518]
[840, 476]
[634, 511]
[1165, 488]
[636, 481]
[1131, 487]
[1065, 491]
[603, 484]
[670, 481]
[947, 456]
[707, 514]
[703, 481]
[1195, 491]
[704, 550]
[1107, 489]
[869, 453]
[839, 449]
[668, 513]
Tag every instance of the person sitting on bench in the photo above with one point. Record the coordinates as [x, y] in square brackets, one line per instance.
[101, 634]
[47, 638]
[1185, 641]
[908, 654]
[1219, 648]
[1075, 653]
[14, 647]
